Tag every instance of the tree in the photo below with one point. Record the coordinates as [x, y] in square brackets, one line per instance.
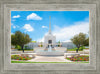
[58, 43]
[79, 40]
[20, 39]
[86, 42]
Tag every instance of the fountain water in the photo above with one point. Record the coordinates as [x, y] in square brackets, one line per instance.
[49, 51]
[50, 48]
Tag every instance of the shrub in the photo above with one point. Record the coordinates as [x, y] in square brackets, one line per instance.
[74, 49]
[81, 48]
[26, 47]
[17, 47]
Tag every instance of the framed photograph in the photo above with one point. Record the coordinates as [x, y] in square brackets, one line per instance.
[66, 42]
[50, 37]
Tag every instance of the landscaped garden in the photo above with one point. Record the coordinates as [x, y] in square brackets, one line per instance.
[78, 58]
[26, 48]
[18, 57]
[46, 62]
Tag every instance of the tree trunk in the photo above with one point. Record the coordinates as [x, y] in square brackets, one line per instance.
[77, 50]
[22, 48]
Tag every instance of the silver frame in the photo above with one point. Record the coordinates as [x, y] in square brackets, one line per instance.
[60, 5]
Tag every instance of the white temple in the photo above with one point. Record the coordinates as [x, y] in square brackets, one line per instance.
[49, 39]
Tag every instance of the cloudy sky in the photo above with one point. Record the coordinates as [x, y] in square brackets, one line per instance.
[64, 24]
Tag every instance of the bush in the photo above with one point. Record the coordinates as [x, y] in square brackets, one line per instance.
[74, 49]
[81, 48]
[17, 47]
[26, 47]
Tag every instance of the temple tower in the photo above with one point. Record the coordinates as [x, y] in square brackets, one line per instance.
[49, 39]
[50, 25]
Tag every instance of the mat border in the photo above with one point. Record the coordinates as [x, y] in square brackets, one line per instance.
[6, 67]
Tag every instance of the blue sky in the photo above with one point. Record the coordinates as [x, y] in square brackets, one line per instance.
[64, 24]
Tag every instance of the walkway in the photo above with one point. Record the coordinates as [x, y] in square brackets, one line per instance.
[49, 59]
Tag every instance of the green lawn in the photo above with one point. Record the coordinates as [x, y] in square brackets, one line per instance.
[80, 49]
[73, 50]
[44, 62]
[26, 50]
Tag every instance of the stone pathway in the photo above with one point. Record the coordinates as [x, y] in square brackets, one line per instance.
[49, 59]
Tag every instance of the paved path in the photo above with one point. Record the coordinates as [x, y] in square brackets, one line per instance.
[49, 59]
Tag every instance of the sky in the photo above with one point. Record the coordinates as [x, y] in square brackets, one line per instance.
[64, 24]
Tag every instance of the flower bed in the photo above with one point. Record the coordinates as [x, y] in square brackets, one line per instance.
[18, 57]
[79, 58]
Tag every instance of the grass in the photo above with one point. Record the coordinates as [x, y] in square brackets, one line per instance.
[26, 50]
[80, 49]
[73, 50]
[45, 62]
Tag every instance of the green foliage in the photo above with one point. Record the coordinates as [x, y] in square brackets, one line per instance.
[48, 62]
[74, 49]
[59, 42]
[34, 41]
[86, 43]
[81, 48]
[17, 47]
[13, 40]
[41, 45]
[79, 40]
[58, 45]
[25, 49]
[20, 39]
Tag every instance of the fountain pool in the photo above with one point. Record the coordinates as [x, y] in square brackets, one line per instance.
[50, 51]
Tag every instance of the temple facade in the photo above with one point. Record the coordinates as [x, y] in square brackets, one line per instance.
[50, 39]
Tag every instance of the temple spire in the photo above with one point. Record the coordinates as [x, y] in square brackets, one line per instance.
[50, 25]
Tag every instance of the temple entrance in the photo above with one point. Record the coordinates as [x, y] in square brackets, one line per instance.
[49, 41]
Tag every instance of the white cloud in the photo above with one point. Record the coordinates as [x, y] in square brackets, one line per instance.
[14, 27]
[33, 16]
[44, 27]
[28, 27]
[66, 33]
[41, 39]
[16, 16]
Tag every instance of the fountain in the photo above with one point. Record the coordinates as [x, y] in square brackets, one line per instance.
[49, 48]
[50, 51]
[49, 41]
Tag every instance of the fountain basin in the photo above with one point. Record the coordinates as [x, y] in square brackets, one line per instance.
[56, 51]
[51, 53]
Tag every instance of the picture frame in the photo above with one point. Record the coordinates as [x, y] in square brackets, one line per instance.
[45, 68]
